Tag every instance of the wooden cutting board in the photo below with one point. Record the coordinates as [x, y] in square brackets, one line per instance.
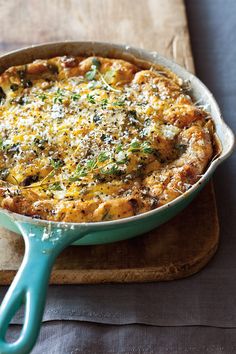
[185, 244]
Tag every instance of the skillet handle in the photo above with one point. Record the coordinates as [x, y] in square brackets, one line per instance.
[28, 287]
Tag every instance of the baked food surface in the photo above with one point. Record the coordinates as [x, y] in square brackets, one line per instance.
[95, 139]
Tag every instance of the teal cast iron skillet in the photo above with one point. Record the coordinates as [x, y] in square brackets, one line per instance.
[44, 240]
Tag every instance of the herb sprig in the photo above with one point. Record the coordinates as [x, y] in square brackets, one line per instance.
[91, 74]
[90, 165]
[144, 147]
[94, 71]
[56, 186]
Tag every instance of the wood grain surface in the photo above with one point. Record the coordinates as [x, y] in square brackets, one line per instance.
[182, 246]
[158, 25]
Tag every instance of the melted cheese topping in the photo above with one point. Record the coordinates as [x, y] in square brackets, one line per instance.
[91, 139]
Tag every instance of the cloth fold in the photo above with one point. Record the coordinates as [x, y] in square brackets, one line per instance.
[91, 338]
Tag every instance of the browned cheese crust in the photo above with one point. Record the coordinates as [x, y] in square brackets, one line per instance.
[94, 139]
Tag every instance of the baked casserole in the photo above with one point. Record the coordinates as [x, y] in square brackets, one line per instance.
[95, 139]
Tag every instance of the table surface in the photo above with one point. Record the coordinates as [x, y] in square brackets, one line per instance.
[212, 28]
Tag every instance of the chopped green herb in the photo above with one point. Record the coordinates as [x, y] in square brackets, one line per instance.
[57, 163]
[78, 168]
[119, 103]
[146, 148]
[90, 164]
[90, 75]
[90, 98]
[119, 148]
[83, 173]
[104, 102]
[74, 178]
[55, 186]
[75, 96]
[102, 157]
[134, 146]
[123, 161]
[42, 97]
[59, 95]
[80, 171]
[113, 170]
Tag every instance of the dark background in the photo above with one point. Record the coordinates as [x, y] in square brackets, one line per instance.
[212, 26]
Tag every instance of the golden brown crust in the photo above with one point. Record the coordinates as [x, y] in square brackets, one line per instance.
[91, 139]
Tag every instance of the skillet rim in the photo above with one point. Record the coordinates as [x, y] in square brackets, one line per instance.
[139, 54]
